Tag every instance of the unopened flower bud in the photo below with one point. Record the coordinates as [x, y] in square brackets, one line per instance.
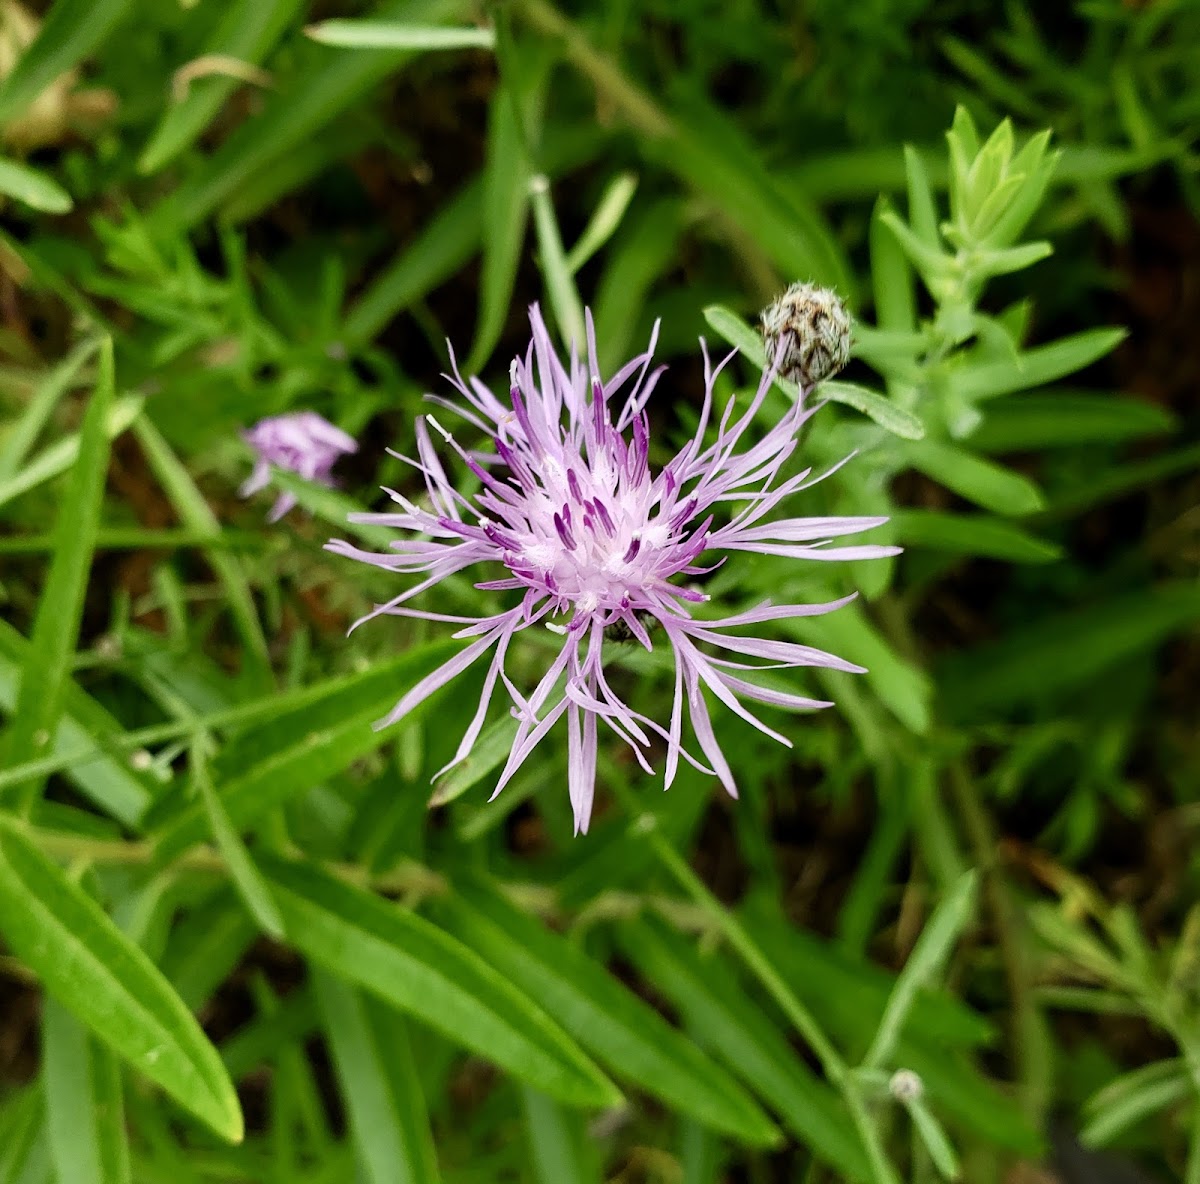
[906, 1086]
[813, 327]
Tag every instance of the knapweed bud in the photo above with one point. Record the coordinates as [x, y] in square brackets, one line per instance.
[814, 328]
[906, 1086]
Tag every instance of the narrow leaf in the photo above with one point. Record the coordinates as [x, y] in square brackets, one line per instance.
[20, 437]
[604, 221]
[505, 214]
[108, 983]
[72, 30]
[449, 240]
[297, 749]
[417, 968]
[488, 753]
[246, 879]
[193, 508]
[85, 728]
[1132, 1106]
[625, 1034]
[722, 1017]
[1064, 649]
[375, 1067]
[981, 481]
[1034, 367]
[61, 455]
[712, 153]
[246, 33]
[85, 1113]
[971, 534]
[561, 292]
[556, 1149]
[1061, 419]
[363, 34]
[875, 406]
[332, 506]
[24, 1156]
[33, 188]
[924, 963]
[60, 610]
[925, 1047]
[936, 1141]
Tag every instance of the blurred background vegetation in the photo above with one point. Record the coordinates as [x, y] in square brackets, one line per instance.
[260, 220]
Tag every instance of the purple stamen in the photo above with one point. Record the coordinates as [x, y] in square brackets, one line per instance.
[605, 519]
[564, 532]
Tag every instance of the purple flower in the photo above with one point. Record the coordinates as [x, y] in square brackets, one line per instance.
[302, 442]
[573, 522]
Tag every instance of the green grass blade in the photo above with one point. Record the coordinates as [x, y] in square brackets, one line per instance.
[332, 506]
[414, 966]
[60, 456]
[971, 534]
[109, 781]
[506, 213]
[196, 514]
[449, 240]
[47, 665]
[32, 187]
[939, 1030]
[712, 154]
[1062, 419]
[21, 437]
[247, 32]
[983, 482]
[1035, 367]
[556, 1147]
[85, 1112]
[71, 31]
[108, 983]
[297, 749]
[725, 1022]
[615, 1026]
[365, 34]
[335, 81]
[246, 879]
[488, 753]
[1063, 649]
[933, 948]
[24, 1158]
[374, 1064]
[562, 294]
[603, 223]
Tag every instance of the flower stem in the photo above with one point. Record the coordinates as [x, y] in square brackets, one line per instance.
[409, 878]
[1027, 1038]
[604, 74]
[834, 1066]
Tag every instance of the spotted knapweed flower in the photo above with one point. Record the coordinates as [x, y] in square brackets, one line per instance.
[302, 442]
[589, 541]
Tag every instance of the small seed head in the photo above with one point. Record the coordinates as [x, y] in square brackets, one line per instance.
[813, 327]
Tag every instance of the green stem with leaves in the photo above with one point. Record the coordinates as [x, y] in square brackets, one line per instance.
[834, 1065]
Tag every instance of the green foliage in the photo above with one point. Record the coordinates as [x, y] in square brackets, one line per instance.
[269, 946]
